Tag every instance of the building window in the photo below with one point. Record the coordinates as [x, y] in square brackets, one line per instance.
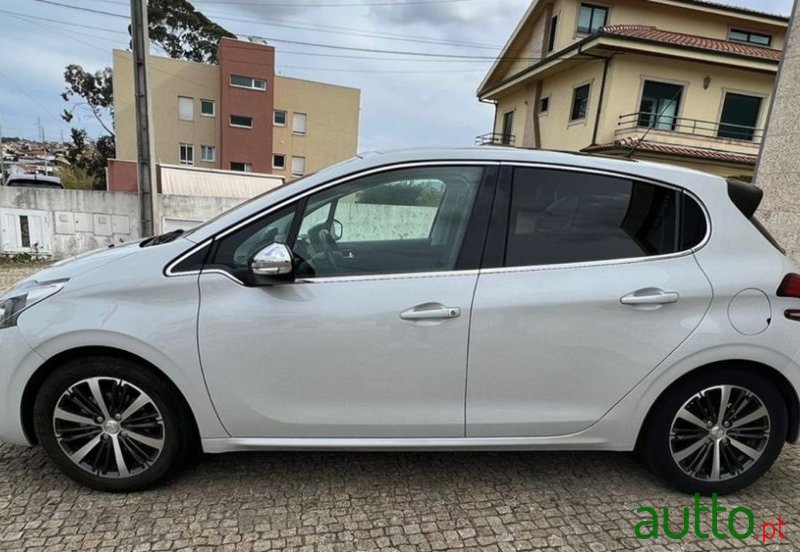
[240, 81]
[551, 40]
[758, 39]
[739, 116]
[279, 118]
[186, 154]
[299, 121]
[241, 167]
[208, 108]
[580, 103]
[298, 166]
[185, 108]
[660, 104]
[592, 18]
[208, 154]
[279, 161]
[507, 137]
[544, 105]
[241, 121]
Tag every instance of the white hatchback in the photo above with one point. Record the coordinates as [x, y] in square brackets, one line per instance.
[443, 299]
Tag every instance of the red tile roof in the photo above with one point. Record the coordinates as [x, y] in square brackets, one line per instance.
[645, 32]
[681, 151]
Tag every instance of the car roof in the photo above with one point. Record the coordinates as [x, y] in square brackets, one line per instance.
[670, 174]
[35, 177]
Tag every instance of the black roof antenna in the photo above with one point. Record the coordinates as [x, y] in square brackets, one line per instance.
[654, 122]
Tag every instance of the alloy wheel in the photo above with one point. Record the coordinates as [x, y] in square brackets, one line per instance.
[109, 427]
[719, 433]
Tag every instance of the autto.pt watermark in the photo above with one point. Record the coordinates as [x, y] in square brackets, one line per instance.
[736, 523]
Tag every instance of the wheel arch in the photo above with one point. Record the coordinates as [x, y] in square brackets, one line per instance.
[35, 382]
[783, 385]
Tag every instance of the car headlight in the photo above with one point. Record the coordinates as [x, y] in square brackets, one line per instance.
[23, 297]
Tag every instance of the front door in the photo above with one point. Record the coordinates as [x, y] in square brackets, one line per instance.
[594, 285]
[371, 339]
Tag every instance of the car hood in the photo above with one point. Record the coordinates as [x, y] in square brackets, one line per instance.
[75, 266]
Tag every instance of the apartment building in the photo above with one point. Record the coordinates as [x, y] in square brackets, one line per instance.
[238, 115]
[687, 82]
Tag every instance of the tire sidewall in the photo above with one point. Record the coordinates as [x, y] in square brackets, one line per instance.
[158, 390]
[657, 449]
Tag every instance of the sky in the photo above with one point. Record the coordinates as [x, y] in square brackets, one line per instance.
[406, 102]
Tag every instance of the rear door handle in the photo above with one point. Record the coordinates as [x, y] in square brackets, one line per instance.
[650, 296]
[431, 311]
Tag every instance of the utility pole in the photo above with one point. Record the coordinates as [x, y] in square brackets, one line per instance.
[148, 192]
[2, 159]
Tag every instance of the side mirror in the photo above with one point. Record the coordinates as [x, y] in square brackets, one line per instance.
[275, 260]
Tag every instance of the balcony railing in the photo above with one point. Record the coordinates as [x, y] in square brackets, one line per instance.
[495, 139]
[695, 127]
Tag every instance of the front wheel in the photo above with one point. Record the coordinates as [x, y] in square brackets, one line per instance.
[111, 424]
[717, 432]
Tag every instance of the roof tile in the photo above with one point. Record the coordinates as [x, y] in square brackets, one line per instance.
[682, 151]
[646, 32]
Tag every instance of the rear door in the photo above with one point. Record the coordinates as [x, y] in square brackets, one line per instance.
[591, 284]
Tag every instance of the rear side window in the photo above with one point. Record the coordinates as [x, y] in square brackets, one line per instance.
[572, 217]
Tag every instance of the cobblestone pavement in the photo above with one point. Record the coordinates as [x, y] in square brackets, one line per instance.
[367, 501]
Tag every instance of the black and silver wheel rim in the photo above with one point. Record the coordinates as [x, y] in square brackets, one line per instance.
[109, 427]
[719, 433]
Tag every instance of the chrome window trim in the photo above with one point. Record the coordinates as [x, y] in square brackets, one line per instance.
[386, 168]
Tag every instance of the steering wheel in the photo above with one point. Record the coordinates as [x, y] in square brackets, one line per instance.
[322, 241]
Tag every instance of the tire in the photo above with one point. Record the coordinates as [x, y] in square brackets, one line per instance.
[148, 424]
[747, 447]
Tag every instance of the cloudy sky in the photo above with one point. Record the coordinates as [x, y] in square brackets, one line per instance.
[405, 102]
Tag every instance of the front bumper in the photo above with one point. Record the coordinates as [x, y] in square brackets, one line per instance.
[17, 363]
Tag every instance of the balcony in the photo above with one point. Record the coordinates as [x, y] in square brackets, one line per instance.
[694, 133]
[495, 139]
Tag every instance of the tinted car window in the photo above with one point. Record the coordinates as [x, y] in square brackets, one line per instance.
[570, 217]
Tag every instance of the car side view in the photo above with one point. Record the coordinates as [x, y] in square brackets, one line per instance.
[458, 299]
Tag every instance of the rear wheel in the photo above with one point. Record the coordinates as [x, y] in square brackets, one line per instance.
[111, 424]
[716, 433]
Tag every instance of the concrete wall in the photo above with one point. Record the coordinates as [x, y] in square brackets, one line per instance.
[778, 170]
[77, 221]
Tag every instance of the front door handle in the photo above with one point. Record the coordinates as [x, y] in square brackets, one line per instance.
[430, 311]
[650, 296]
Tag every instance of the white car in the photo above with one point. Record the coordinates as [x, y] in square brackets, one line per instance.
[441, 299]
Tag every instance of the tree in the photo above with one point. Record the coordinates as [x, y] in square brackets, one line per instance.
[183, 32]
[174, 25]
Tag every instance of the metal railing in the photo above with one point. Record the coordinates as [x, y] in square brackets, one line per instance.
[696, 127]
[495, 139]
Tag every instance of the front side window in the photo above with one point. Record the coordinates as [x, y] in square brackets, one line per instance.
[404, 221]
[739, 116]
[561, 217]
[580, 103]
[241, 81]
[660, 104]
[592, 18]
[185, 108]
[186, 154]
[241, 121]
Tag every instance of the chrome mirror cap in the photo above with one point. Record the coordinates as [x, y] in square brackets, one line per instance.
[274, 260]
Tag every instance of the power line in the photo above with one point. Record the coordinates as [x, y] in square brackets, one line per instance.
[31, 98]
[62, 22]
[90, 10]
[302, 4]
